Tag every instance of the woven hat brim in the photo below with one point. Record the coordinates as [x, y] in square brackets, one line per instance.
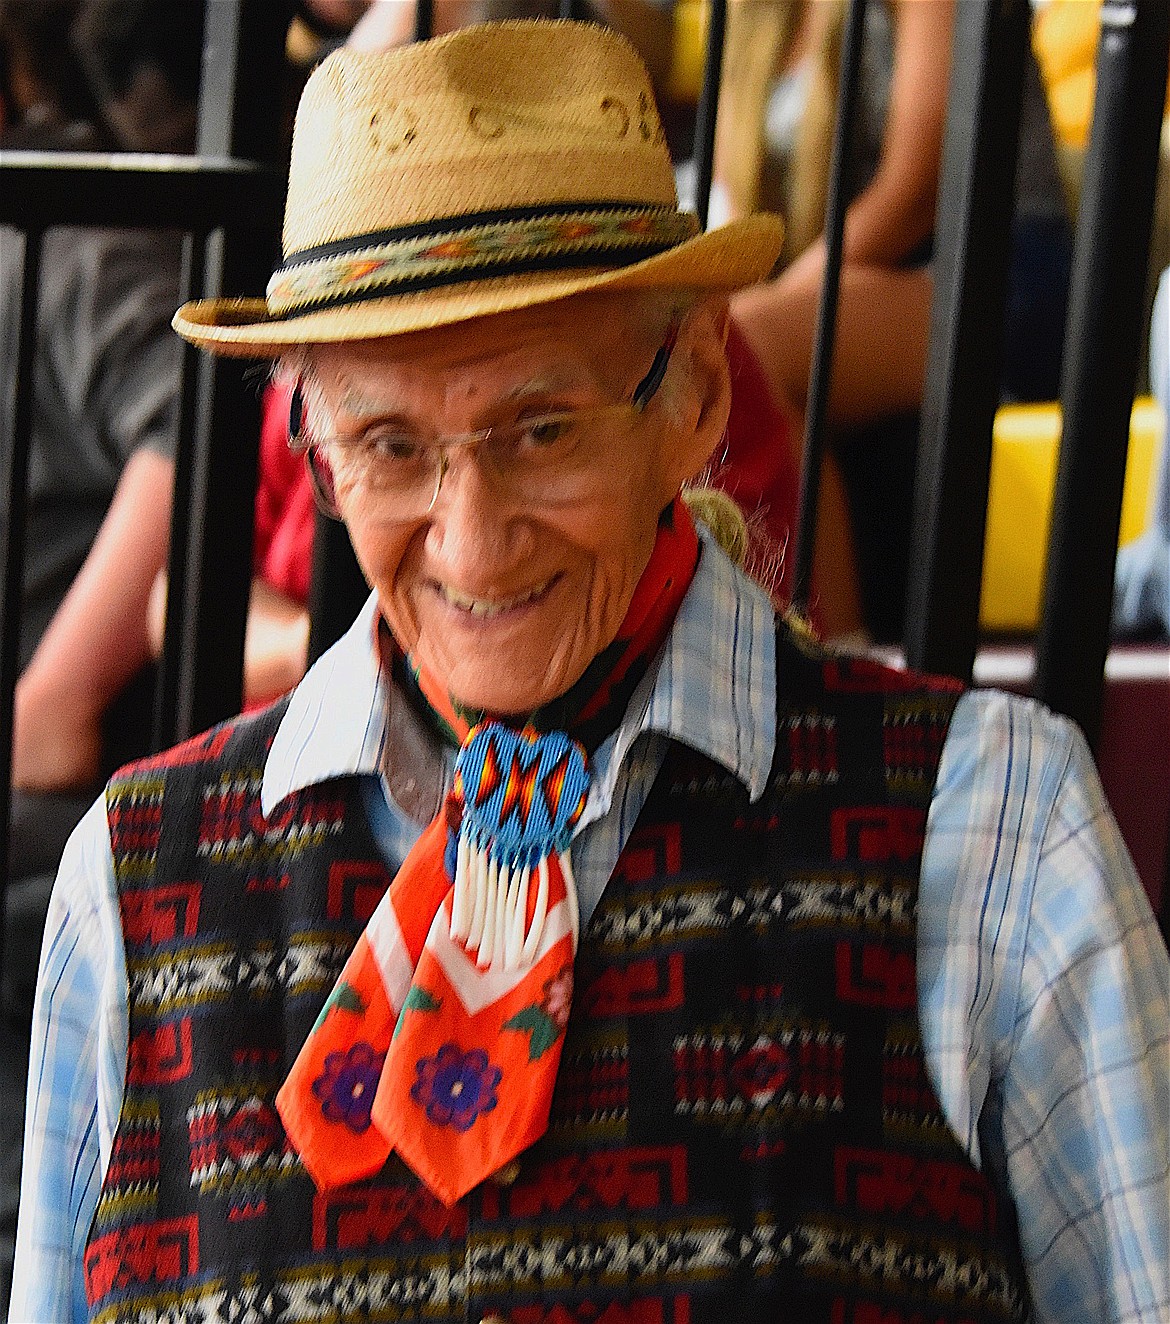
[731, 257]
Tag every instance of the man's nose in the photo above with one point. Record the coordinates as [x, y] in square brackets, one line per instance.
[474, 516]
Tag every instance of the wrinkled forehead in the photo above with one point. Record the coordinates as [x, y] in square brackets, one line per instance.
[583, 344]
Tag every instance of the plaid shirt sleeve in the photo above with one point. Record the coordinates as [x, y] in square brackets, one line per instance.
[1045, 996]
[75, 1080]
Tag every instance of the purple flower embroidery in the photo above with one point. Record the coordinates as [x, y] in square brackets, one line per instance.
[347, 1085]
[455, 1087]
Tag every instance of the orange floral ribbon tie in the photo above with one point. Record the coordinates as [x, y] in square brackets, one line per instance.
[442, 1037]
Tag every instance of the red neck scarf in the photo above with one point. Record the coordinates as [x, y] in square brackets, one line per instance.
[442, 1038]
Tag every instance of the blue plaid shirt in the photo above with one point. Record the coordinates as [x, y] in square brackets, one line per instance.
[1044, 986]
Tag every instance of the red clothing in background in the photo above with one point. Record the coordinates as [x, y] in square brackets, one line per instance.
[285, 513]
[757, 467]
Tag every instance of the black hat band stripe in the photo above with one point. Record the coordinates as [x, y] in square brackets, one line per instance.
[572, 239]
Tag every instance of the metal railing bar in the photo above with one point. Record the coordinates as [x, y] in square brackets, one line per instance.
[337, 588]
[821, 367]
[166, 697]
[188, 193]
[130, 163]
[1102, 345]
[242, 78]
[175, 700]
[14, 481]
[708, 108]
[207, 652]
[424, 19]
[218, 75]
[972, 245]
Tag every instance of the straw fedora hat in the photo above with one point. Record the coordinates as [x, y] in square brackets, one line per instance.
[500, 166]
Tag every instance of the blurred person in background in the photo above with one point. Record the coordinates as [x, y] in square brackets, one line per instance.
[142, 61]
[85, 75]
[782, 146]
[49, 105]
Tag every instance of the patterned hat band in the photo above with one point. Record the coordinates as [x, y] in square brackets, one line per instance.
[475, 247]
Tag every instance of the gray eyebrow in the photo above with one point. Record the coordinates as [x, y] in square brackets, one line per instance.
[359, 406]
[539, 386]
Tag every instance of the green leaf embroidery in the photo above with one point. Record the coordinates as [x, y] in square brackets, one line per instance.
[343, 998]
[543, 1029]
[417, 999]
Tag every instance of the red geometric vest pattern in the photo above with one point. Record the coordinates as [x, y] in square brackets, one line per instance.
[742, 1127]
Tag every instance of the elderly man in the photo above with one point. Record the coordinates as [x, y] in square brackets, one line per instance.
[573, 943]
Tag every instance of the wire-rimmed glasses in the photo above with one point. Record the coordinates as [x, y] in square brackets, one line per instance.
[555, 458]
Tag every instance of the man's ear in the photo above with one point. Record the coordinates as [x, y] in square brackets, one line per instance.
[706, 395]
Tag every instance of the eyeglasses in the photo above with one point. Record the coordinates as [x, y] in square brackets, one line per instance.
[554, 459]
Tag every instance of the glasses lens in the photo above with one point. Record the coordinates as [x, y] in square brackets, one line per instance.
[556, 458]
[553, 458]
[399, 470]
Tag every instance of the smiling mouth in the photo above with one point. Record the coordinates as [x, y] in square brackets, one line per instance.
[485, 608]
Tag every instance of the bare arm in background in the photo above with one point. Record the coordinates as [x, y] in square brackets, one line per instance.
[276, 643]
[276, 639]
[895, 213]
[98, 639]
[884, 309]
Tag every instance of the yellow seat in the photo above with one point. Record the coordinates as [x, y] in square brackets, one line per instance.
[689, 50]
[1025, 442]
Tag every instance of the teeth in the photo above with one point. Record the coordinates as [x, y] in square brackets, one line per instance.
[482, 608]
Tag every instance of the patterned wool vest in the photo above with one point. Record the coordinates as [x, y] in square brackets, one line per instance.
[742, 1128]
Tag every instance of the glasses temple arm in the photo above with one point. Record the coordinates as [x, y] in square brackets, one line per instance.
[649, 384]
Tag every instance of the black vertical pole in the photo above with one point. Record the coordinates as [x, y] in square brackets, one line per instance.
[337, 588]
[239, 116]
[708, 108]
[166, 696]
[424, 19]
[1102, 344]
[14, 486]
[972, 244]
[820, 369]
